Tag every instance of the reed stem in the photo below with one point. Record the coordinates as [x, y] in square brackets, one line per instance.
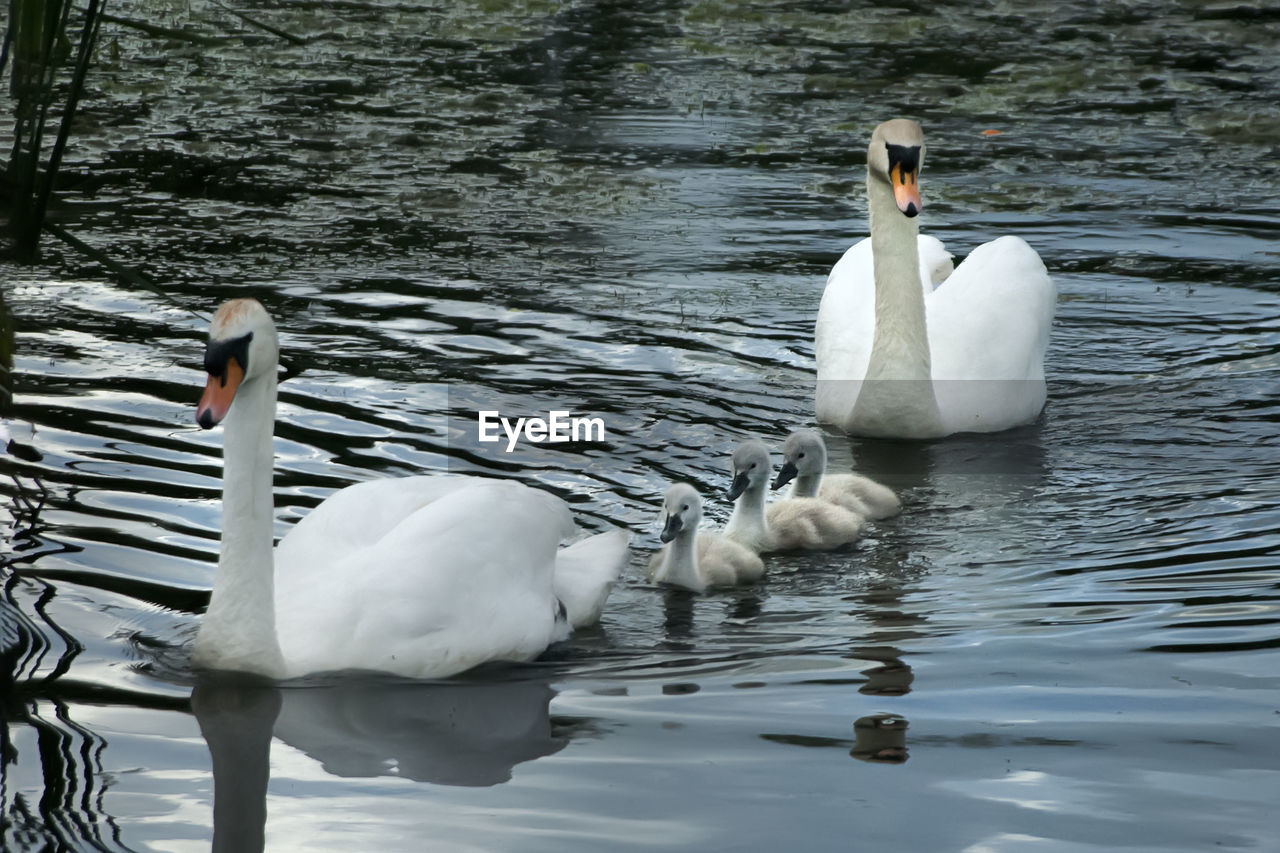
[36, 43]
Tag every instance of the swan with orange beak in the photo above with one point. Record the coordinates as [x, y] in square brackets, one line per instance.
[421, 576]
[908, 346]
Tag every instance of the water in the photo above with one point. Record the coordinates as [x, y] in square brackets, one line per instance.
[630, 209]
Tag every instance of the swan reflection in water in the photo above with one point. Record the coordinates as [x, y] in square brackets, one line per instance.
[457, 733]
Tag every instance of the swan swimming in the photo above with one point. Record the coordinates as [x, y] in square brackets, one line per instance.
[696, 559]
[419, 576]
[900, 358]
[804, 465]
[796, 524]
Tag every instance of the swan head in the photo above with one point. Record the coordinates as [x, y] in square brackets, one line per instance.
[895, 156]
[804, 453]
[242, 347]
[682, 510]
[752, 467]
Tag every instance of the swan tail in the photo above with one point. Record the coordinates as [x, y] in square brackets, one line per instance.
[585, 573]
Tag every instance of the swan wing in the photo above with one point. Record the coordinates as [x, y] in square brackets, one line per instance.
[466, 578]
[810, 524]
[723, 562]
[991, 318]
[351, 518]
[989, 325]
[586, 571]
[846, 316]
[935, 262]
[860, 495]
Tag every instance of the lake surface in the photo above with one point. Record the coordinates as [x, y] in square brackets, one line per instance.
[1067, 641]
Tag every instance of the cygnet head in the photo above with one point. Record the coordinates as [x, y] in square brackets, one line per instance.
[242, 347]
[752, 466]
[804, 453]
[681, 509]
[895, 156]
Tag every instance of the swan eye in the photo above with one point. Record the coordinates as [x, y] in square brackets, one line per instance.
[684, 508]
[753, 466]
[801, 456]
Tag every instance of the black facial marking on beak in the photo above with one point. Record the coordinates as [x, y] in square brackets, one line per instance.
[218, 353]
[738, 486]
[905, 157]
[672, 528]
[786, 474]
[205, 420]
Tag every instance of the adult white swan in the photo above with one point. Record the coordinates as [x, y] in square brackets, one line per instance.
[419, 576]
[900, 358]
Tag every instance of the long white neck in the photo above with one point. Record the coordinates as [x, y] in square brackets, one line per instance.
[900, 347]
[680, 566]
[805, 486]
[238, 631]
[897, 393]
[748, 525]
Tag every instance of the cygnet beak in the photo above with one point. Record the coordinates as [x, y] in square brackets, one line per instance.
[786, 474]
[672, 528]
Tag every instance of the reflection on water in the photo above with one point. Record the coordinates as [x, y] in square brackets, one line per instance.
[878, 739]
[236, 720]
[453, 734]
[69, 809]
[629, 209]
[468, 734]
[6, 362]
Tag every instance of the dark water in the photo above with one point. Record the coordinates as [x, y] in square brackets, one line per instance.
[629, 209]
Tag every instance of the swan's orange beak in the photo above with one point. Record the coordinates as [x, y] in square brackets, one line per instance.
[906, 189]
[219, 391]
